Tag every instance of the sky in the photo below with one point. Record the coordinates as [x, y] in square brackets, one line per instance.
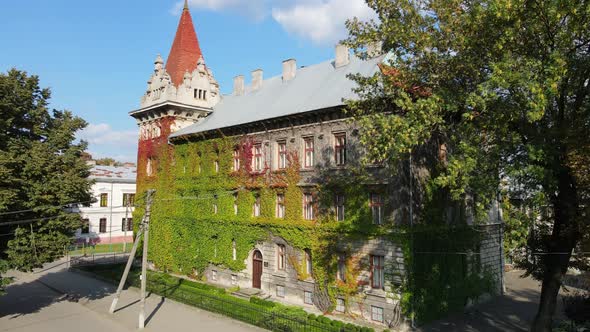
[96, 56]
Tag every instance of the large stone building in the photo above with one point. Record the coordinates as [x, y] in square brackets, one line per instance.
[264, 188]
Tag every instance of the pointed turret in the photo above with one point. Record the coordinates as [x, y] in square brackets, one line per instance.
[185, 52]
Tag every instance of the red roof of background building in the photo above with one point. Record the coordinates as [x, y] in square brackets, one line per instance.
[185, 51]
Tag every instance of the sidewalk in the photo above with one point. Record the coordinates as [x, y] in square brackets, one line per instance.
[512, 312]
[55, 299]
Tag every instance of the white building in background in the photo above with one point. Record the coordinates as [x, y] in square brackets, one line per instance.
[109, 219]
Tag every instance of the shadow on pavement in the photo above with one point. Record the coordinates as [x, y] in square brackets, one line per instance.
[31, 296]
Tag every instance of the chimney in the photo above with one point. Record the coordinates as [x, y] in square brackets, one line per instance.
[342, 56]
[239, 85]
[374, 49]
[289, 69]
[256, 79]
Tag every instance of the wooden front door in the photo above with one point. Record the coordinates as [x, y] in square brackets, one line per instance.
[256, 269]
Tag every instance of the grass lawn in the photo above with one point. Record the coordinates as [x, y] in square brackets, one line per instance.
[99, 249]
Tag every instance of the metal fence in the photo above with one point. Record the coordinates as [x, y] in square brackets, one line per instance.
[261, 316]
[93, 259]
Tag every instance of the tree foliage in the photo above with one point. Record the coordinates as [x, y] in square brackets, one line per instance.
[501, 87]
[41, 172]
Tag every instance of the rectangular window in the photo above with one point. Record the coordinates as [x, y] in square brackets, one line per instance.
[340, 305]
[257, 160]
[127, 224]
[215, 208]
[128, 200]
[282, 157]
[308, 263]
[341, 272]
[280, 291]
[340, 149]
[308, 212]
[377, 274]
[85, 226]
[307, 297]
[235, 204]
[281, 257]
[102, 226]
[308, 152]
[339, 202]
[280, 206]
[257, 207]
[216, 166]
[214, 275]
[236, 159]
[234, 251]
[104, 200]
[376, 204]
[234, 279]
[377, 314]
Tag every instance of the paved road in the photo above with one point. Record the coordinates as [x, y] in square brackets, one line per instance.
[512, 312]
[55, 299]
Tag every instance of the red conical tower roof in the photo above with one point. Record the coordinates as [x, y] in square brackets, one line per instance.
[185, 51]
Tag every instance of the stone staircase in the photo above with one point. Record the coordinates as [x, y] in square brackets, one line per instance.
[247, 293]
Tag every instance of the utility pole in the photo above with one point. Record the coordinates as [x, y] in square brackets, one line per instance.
[146, 229]
[142, 231]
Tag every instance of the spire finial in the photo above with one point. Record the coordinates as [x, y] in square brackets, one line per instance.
[185, 4]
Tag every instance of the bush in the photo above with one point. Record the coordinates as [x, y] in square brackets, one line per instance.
[577, 307]
[262, 303]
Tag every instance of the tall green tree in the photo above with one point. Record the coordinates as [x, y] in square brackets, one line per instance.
[500, 88]
[41, 172]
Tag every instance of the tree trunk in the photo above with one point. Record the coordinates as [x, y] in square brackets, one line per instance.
[563, 239]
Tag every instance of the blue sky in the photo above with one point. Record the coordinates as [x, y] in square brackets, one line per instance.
[96, 56]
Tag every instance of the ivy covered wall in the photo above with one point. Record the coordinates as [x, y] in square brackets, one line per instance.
[203, 210]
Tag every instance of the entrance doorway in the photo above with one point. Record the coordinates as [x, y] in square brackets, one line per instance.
[256, 269]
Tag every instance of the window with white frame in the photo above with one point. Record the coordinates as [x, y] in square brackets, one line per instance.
[307, 297]
[234, 279]
[236, 159]
[280, 213]
[281, 256]
[308, 152]
[282, 154]
[308, 208]
[85, 226]
[257, 206]
[340, 149]
[257, 157]
[214, 275]
[340, 305]
[149, 168]
[339, 202]
[280, 291]
[377, 314]
[377, 271]
[341, 271]
[376, 205]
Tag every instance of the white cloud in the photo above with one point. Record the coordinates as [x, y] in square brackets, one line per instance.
[254, 9]
[321, 21]
[104, 141]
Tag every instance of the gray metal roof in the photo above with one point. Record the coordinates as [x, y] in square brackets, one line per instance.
[113, 174]
[314, 87]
